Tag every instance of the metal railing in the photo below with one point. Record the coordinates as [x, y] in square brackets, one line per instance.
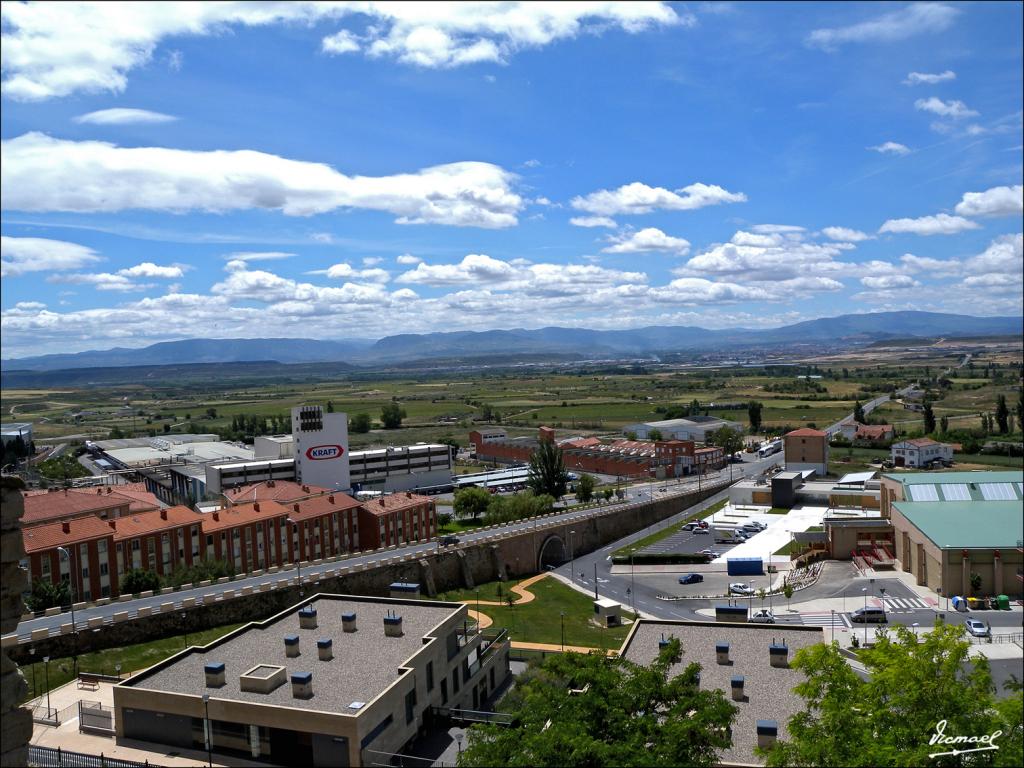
[47, 757]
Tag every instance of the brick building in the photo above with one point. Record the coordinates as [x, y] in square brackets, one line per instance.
[397, 519]
[324, 526]
[89, 542]
[69, 503]
[281, 491]
[806, 449]
[157, 541]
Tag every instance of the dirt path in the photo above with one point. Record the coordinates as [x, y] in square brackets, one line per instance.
[520, 589]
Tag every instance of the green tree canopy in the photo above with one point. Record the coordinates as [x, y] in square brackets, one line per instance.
[655, 434]
[754, 415]
[391, 415]
[929, 418]
[576, 710]
[471, 502]
[1002, 415]
[728, 439]
[585, 488]
[137, 580]
[360, 423]
[858, 412]
[547, 470]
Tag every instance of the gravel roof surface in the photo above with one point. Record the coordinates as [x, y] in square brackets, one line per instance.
[769, 690]
[365, 662]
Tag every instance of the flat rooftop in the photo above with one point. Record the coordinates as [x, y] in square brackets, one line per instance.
[768, 690]
[365, 662]
[966, 524]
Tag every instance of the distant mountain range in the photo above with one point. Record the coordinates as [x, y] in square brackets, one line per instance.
[571, 342]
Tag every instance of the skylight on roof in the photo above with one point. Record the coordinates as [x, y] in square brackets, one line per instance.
[955, 492]
[997, 491]
[923, 493]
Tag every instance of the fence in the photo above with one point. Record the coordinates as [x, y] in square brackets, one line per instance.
[93, 716]
[46, 757]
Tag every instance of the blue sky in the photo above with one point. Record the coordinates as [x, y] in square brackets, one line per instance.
[310, 170]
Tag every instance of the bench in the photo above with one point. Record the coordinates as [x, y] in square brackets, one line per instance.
[89, 680]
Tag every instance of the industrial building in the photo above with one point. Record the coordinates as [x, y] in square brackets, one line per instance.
[856, 491]
[336, 681]
[696, 428]
[12, 430]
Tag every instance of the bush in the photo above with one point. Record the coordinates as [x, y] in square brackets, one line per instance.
[198, 571]
[46, 594]
[138, 580]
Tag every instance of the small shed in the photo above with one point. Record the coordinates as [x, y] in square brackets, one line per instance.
[608, 612]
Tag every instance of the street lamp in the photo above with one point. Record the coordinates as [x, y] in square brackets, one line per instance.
[458, 739]
[833, 625]
[186, 628]
[117, 668]
[572, 558]
[562, 616]
[74, 589]
[865, 591]
[32, 652]
[46, 669]
[478, 619]
[207, 729]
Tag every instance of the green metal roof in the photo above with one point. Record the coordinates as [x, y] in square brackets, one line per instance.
[912, 478]
[967, 524]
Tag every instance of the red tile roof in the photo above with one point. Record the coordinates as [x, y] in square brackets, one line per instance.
[46, 506]
[241, 514]
[320, 505]
[873, 431]
[395, 502]
[273, 490]
[921, 442]
[142, 500]
[806, 432]
[68, 533]
[129, 527]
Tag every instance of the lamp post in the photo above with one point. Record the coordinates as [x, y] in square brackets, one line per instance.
[32, 653]
[458, 740]
[117, 668]
[833, 625]
[632, 582]
[46, 670]
[562, 616]
[882, 590]
[298, 554]
[478, 621]
[74, 589]
[208, 729]
[186, 628]
[572, 558]
[865, 591]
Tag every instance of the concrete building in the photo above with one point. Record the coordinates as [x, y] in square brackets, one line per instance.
[12, 430]
[949, 525]
[696, 428]
[337, 681]
[858, 491]
[321, 447]
[749, 663]
[806, 449]
[397, 519]
[921, 452]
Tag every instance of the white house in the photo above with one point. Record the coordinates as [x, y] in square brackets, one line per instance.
[695, 428]
[920, 452]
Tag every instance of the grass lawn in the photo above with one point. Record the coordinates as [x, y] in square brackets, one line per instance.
[539, 621]
[460, 525]
[778, 511]
[654, 538]
[132, 658]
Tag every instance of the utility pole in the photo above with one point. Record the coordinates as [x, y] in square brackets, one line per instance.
[595, 581]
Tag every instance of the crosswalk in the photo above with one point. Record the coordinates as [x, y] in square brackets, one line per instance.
[905, 604]
[825, 619]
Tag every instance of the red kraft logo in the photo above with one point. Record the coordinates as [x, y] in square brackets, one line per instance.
[321, 452]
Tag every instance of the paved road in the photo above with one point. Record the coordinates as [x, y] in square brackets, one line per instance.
[633, 493]
[869, 406]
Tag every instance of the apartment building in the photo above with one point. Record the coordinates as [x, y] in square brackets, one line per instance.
[397, 519]
[159, 541]
[68, 503]
[806, 449]
[89, 542]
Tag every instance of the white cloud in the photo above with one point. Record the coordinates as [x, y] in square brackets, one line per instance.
[19, 255]
[322, 237]
[30, 306]
[102, 281]
[54, 50]
[258, 256]
[760, 240]
[408, 259]
[1004, 255]
[889, 282]
[934, 267]
[914, 19]
[891, 148]
[953, 108]
[649, 239]
[371, 261]
[940, 224]
[149, 269]
[917, 78]
[345, 271]
[474, 268]
[769, 261]
[845, 235]
[124, 116]
[638, 198]
[997, 201]
[40, 173]
[772, 229]
[593, 221]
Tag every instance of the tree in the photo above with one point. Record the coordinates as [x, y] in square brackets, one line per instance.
[211, 413]
[444, 519]
[360, 423]
[787, 590]
[913, 683]
[391, 416]
[585, 488]
[1002, 415]
[547, 470]
[138, 580]
[1020, 409]
[728, 439]
[655, 434]
[45, 594]
[929, 418]
[754, 415]
[471, 502]
[607, 493]
[858, 412]
[628, 715]
[330, 407]
[975, 582]
[944, 424]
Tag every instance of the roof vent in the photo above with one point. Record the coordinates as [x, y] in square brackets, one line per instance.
[163, 514]
[66, 527]
[357, 705]
[263, 678]
[778, 654]
[291, 645]
[295, 507]
[348, 622]
[330, 499]
[112, 524]
[722, 651]
[302, 685]
[307, 618]
[214, 674]
[767, 733]
[216, 515]
[392, 625]
[737, 688]
[324, 649]
[255, 506]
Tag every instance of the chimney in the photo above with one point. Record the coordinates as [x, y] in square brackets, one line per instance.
[392, 625]
[109, 489]
[163, 514]
[307, 618]
[305, 488]
[722, 651]
[216, 515]
[737, 688]
[66, 527]
[778, 654]
[348, 622]
[99, 491]
[214, 674]
[255, 506]
[767, 733]
[323, 649]
[330, 499]
[382, 502]
[112, 524]
[291, 646]
[302, 685]
[295, 507]
[408, 495]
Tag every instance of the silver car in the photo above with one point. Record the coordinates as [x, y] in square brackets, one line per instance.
[739, 588]
[978, 628]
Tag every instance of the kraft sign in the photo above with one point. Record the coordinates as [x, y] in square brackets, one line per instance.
[323, 452]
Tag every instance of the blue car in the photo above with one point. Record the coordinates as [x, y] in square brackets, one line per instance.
[691, 578]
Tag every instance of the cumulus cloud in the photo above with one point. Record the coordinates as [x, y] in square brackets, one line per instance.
[889, 282]
[344, 271]
[55, 50]
[593, 221]
[1004, 255]
[102, 281]
[891, 148]
[753, 238]
[638, 198]
[40, 173]
[845, 235]
[649, 239]
[997, 201]
[933, 267]
[940, 224]
[19, 255]
[124, 116]
[917, 78]
[149, 269]
[408, 259]
[953, 108]
[258, 255]
[768, 261]
[914, 19]
[771, 229]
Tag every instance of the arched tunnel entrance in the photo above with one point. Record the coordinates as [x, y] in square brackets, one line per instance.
[552, 552]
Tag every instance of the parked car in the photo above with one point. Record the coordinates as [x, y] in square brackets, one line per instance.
[978, 628]
[708, 553]
[689, 526]
[702, 530]
[691, 578]
[764, 616]
[703, 524]
[739, 588]
[446, 541]
[865, 615]
[754, 527]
